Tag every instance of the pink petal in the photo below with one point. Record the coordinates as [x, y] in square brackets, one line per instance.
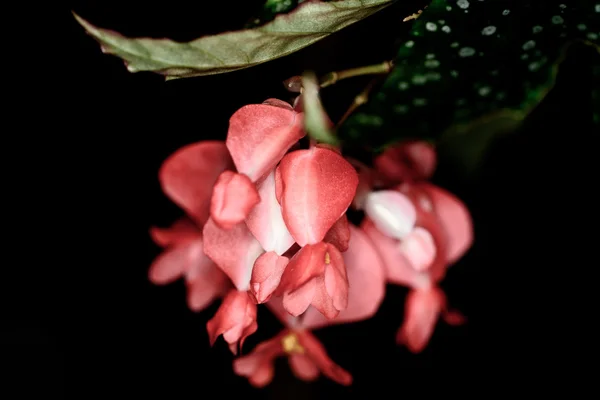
[263, 375]
[303, 367]
[258, 365]
[235, 320]
[233, 197]
[419, 249]
[366, 288]
[397, 268]
[275, 305]
[366, 182]
[266, 275]
[423, 308]
[187, 177]
[318, 185]
[413, 160]
[454, 318]
[181, 231]
[233, 250]
[315, 275]
[278, 185]
[265, 220]
[296, 302]
[205, 282]
[201, 294]
[316, 351]
[174, 262]
[392, 212]
[455, 219]
[259, 135]
[339, 234]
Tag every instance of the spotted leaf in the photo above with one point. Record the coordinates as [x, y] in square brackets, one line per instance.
[474, 69]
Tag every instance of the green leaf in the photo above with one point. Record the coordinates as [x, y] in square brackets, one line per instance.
[473, 70]
[316, 121]
[236, 50]
[272, 8]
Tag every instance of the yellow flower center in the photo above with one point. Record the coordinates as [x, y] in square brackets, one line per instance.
[291, 345]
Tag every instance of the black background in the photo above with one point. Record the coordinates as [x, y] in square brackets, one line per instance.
[95, 191]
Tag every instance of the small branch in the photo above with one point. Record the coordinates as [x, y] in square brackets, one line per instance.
[333, 77]
[414, 16]
[359, 100]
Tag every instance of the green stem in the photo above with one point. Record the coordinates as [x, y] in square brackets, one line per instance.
[333, 77]
[359, 100]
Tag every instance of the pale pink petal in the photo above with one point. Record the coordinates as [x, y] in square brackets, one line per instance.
[234, 195]
[316, 351]
[265, 220]
[339, 234]
[422, 310]
[266, 275]
[235, 320]
[455, 219]
[175, 261]
[303, 367]
[187, 177]
[181, 231]
[413, 160]
[366, 284]
[259, 135]
[428, 220]
[318, 185]
[398, 269]
[419, 249]
[392, 212]
[233, 250]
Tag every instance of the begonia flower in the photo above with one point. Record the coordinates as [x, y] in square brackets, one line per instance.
[258, 137]
[417, 253]
[407, 161]
[235, 320]
[306, 355]
[423, 308]
[316, 276]
[184, 257]
[187, 178]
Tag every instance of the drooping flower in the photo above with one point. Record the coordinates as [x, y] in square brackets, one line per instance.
[184, 257]
[235, 320]
[306, 355]
[187, 178]
[258, 137]
[419, 230]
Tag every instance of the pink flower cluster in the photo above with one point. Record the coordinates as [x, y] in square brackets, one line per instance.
[266, 224]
